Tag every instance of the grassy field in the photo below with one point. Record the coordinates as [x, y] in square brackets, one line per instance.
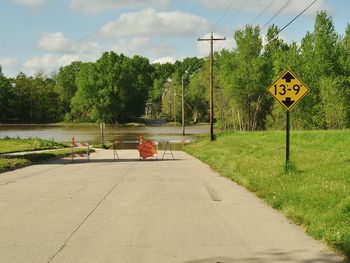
[9, 145]
[11, 163]
[313, 192]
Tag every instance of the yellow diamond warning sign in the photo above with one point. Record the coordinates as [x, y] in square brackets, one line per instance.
[288, 89]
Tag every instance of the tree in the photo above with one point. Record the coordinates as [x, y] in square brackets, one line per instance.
[335, 95]
[320, 57]
[246, 85]
[66, 83]
[114, 89]
[225, 64]
[6, 98]
[47, 105]
[344, 50]
[197, 95]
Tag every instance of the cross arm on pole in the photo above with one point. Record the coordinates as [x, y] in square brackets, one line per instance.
[209, 39]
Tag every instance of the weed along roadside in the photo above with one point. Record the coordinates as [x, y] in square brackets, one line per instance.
[16, 153]
[314, 192]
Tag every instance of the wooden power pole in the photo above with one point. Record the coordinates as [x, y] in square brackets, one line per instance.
[183, 106]
[211, 39]
[174, 108]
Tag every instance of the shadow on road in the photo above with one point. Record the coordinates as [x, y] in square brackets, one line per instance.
[271, 257]
[122, 160]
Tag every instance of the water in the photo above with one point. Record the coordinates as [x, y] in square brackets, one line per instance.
[91, 133]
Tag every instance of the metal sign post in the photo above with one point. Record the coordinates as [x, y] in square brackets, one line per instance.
[288, 90]
[288, 138]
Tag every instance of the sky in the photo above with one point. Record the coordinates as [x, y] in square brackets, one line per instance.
[43, 35]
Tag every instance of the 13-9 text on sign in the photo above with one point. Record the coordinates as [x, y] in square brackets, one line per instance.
[288, 89]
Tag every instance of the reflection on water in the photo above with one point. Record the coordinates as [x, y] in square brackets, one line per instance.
[91, 133]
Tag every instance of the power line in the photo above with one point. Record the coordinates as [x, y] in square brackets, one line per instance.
[234, 15]
[223, 15]
[238, 11]
[258, 16]
[263, 11]
[276, 14]
[290, 22]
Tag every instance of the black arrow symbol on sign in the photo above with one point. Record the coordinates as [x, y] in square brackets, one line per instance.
[288, 77]
[288, 102]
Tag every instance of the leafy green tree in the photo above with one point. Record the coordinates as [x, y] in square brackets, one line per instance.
[35, 99]
[335, 94]
[170, 81]
[7, 98]
[47, 105]
[83, 102]
[344, 50]
[162, 73]
[171, 107]
[247, 84]
[114, 89]
[66, 83]
[225, 64]
[320, 56]
[197, 96]
[25, 96]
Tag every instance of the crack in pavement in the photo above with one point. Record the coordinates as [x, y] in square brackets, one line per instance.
[52, 257]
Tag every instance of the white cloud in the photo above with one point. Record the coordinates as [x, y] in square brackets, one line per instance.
[31, 3]
[8, 62]
[97, 6]
[47, 63]
[164, 60]
[57, 42]
[52, 62]
[143, 46]
[150, 22]
[203, 47]
[294, 7]
[9, 65]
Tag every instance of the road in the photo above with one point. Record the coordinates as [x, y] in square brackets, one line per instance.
[142, 211]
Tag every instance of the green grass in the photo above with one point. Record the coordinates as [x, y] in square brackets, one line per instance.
[9, 145]
[12, 163]
[314, 191]
[105, 146]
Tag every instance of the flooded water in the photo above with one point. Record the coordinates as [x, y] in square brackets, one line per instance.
[91, 133]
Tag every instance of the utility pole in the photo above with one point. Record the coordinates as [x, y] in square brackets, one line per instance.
[183, 107]
[211, 39]
[174, 108]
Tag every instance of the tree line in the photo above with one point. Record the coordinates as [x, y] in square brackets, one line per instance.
[117, 88]
[242, 75]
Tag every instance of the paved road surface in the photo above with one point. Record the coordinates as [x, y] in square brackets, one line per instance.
[141, 211]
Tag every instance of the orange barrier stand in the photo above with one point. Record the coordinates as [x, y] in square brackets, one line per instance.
[75, 144]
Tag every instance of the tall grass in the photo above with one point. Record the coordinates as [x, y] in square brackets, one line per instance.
[32, 158]
[315, 189]
[8, 145]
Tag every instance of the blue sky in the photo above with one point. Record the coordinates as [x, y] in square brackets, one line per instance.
[46, 34]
